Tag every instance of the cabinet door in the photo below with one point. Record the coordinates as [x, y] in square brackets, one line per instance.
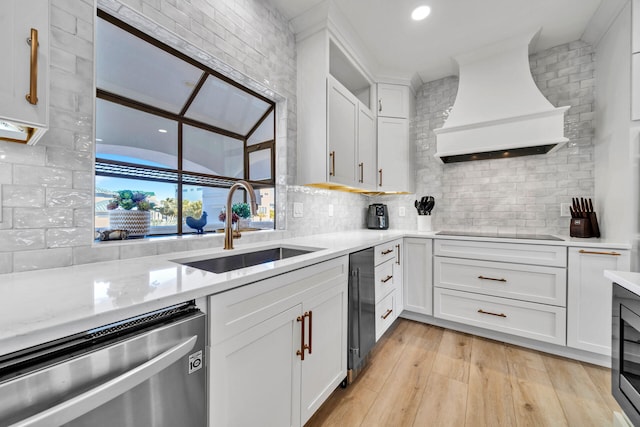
[418, 277]
[393, 154]
[366, 148]
[325, 365]
[393, 100]
[342, 133]
[589, 297]
[255, 375]
[17, 19]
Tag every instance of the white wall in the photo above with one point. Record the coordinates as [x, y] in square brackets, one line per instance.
[617, 137]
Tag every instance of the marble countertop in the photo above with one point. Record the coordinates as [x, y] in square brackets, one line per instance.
[38, 306]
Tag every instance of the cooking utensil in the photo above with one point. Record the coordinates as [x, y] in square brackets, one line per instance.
[430, 204]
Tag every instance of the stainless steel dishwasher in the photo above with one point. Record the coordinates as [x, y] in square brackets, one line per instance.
[143, 371]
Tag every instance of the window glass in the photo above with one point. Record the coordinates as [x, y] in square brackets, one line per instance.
[225, 106]
[162, 196]
[264, 131]
[212, 153]
[260, 165]
[134, 136]
[129, 66]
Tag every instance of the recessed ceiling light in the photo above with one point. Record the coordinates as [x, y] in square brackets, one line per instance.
[420, 12]
[162, 130]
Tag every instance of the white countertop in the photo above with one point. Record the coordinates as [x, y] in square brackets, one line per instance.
[42, 305]
[627, 279]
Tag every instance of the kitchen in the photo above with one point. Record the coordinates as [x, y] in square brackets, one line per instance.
[48, 190]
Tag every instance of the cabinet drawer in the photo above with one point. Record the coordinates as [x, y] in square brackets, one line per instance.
[552, 256]
[536, 321]
[385, 252]
[385, 314]
[384, 280]
[533, 283]
[239, 309]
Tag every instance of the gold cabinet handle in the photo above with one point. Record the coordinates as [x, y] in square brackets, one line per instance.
[361, 166]
[389, 311]
[612, 253]
[386, 279]
[380, 172]
[309, 314]
[398, 259]
[491, 278]
[332, 168]
[32, 96]
[386, 251]
[492, 314]
[302, 346]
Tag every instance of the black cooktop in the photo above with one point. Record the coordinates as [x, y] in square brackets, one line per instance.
[500, 235]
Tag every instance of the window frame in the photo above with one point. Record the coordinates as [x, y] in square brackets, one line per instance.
[178, 176]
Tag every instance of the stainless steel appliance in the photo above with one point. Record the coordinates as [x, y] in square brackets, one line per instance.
[362, 306]
[625, 352]
[143, 371]
[378, 217]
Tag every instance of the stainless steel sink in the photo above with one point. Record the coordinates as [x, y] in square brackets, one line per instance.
[224, 263]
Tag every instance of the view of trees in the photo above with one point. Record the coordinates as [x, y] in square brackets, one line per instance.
[168, 210]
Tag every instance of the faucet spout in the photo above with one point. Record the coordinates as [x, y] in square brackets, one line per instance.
[228, 222]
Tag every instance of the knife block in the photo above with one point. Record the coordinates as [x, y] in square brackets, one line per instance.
[580, 227]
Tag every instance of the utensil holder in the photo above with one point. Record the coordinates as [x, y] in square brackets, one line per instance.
[595, 230]
[424, 223]
[580, 227]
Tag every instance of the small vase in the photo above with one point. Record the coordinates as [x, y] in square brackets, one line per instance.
[137, 223]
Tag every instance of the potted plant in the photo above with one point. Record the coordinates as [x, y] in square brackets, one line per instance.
[240, 213]
[129, 210]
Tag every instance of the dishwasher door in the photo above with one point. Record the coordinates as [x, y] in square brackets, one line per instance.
[153, 376]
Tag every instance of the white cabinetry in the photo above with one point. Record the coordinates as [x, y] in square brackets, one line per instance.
[336, 126]
[394, 100]
[418, 275]
[278, 346]
[388, 284]
[24, 69]
[394, 146]
[351, 141]
[589, 297]
[524, 298]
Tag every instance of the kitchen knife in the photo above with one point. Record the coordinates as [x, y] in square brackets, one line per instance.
[573, 213]
[590, 206]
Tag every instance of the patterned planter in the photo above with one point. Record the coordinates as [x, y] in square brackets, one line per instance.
[136, 222]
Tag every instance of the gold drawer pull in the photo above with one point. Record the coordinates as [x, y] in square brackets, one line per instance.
[612, 253]
[332, 159]
[32, 96]
[386, 279]
[389, 311]
[302, 345]
[491, 278]
[385, 252]
[493, 314]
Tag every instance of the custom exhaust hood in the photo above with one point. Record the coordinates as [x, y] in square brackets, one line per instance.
[499, 111]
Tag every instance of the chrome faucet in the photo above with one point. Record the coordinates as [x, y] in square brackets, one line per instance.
[228, 222]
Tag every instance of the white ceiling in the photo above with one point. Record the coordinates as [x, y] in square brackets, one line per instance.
[402, 47]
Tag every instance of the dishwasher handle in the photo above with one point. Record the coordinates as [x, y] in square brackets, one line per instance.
[87, 401]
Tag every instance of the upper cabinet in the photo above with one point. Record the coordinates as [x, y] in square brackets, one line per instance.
[393, 100]
[24, 81]
[394, 107]
[336, 126]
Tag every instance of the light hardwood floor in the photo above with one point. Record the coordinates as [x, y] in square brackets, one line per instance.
[422, 375]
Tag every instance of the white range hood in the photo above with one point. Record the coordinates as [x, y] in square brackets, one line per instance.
[499, 111]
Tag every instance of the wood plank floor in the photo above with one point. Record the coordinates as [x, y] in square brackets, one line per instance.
[422, 375]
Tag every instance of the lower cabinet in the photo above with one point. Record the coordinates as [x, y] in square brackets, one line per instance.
[418, 275]
[278, 347]
[388, 284]
[589, 297]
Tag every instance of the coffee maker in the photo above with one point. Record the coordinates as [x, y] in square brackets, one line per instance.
[378, 217]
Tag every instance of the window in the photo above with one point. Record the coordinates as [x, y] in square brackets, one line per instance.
[175, 130]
